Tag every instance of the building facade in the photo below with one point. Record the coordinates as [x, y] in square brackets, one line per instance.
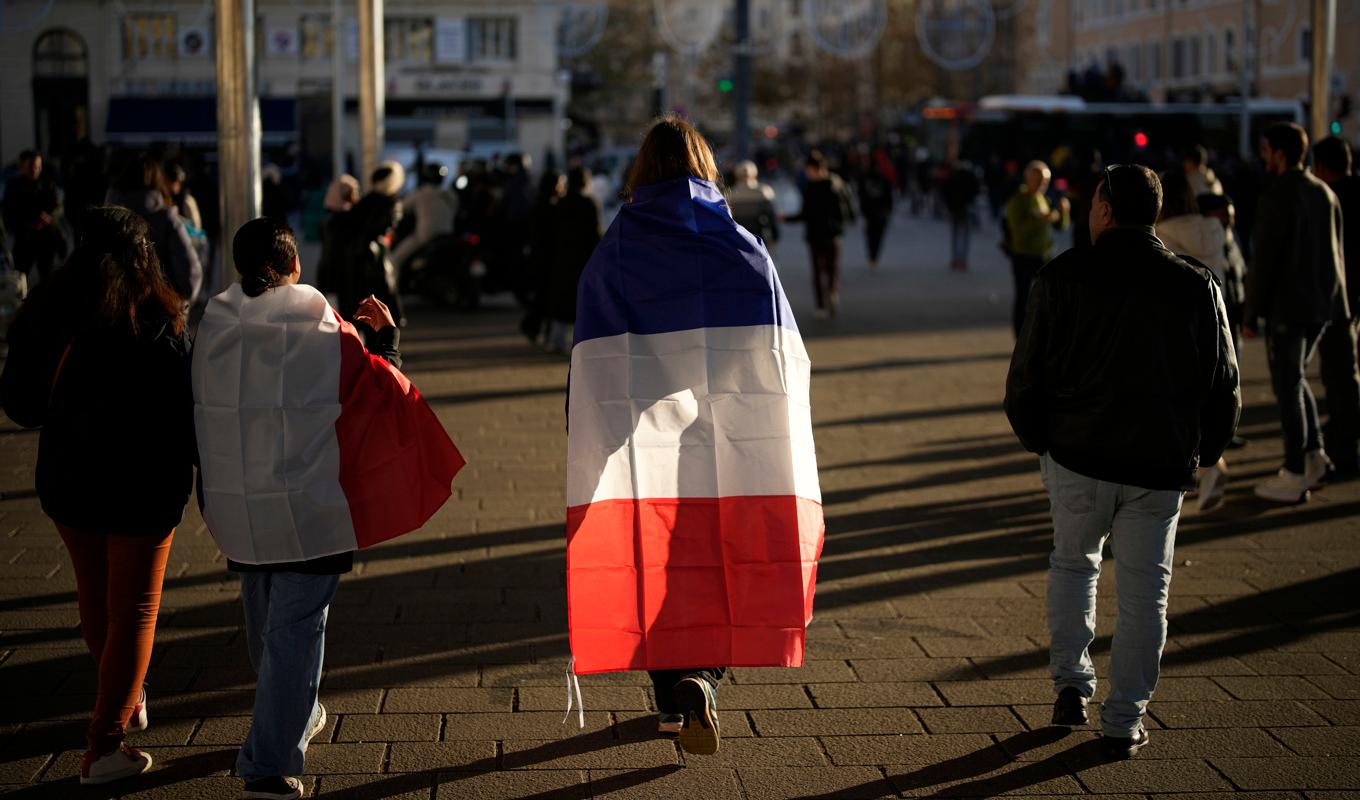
[1192, 50]
[479, 75]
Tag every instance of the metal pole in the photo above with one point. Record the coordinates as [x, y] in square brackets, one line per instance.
[1245, 146]
[372, 87]
[1324, 40]
[238, 124]
[741, 117]
[337, 90]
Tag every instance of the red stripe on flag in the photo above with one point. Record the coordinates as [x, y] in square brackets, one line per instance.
[396, 460]
[693, 582]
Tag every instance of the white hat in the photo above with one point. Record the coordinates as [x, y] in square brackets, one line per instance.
[388, 179]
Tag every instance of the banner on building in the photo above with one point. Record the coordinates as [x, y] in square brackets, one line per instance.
[450, 40]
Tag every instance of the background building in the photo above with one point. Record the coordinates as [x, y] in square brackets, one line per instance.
[480, 76]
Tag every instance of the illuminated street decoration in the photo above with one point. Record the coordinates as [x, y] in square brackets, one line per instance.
[847, 28]
[580, 27]
[22, 15]
[956, 34]
[690, 26]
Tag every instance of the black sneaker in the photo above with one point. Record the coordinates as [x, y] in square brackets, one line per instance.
[1237, 443]
[278, 787]
[669, 724]
[699, 734]
[1070, 708]
[1121, 747]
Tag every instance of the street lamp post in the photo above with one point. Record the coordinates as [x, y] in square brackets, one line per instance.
[1324, 41]
[238, 124]
[372, 88]
[741, 118]
[337, 89]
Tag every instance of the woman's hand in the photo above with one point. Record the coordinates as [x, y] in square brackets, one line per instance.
[375, 314]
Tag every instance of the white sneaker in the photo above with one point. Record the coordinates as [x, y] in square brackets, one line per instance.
[318, 723]
[1211, 480]
[121, 763]
[138, 721]
[1316, 467]
[1285, 487]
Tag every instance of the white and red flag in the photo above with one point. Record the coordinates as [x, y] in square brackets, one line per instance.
[308, 445]
[694, 516]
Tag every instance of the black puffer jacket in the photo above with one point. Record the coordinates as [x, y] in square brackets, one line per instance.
[117, 449]
[1125, 370]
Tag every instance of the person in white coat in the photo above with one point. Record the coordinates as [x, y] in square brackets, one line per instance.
[1186, 232]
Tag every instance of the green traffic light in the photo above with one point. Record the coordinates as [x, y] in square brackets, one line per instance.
[725, 85]
[1336, 127]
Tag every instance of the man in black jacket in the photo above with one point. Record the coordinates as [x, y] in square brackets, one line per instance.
[1296, 287]
[1337, 350]
[826, 212]
[1124, 380]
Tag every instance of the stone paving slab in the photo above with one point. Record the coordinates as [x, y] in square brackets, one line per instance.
[927, 660]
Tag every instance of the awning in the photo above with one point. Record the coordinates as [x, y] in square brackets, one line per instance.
[191, 120]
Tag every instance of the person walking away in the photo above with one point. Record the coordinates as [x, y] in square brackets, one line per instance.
[1195, 163]
[340, 197]
[876, 204]
[960, 193]
[178, 195]
[434, 208]
[32, 213]
[1295, 287]
[1221, 209]
[1203, 241]
[518, 194]
[365, 267]
[575, 233]
[1337, 349]
[680, 302]
[826, 212]
[1030, 222]
[310, 447]
[1124, 381]
[140, 186]
[99, 359]
[752, 204]
[535, 323]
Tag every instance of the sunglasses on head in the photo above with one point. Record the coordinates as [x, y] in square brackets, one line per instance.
[1109, 182]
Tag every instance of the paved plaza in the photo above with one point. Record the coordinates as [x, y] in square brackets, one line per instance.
[926, 670]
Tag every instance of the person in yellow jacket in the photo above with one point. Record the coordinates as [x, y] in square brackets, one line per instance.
[1030, 221]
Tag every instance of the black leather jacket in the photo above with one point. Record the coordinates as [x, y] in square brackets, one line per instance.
[1125, 370]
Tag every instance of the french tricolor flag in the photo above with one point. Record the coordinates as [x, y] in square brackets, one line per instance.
[694, 517]
[308, 445]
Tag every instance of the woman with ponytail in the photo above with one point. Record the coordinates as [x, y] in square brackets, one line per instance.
[99, 360]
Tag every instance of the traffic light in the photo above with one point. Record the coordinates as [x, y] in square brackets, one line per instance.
[1336, 127]
[1140, 140]
[725, 85]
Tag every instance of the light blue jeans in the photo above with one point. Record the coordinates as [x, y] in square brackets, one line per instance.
[1141, 526]
[286, 630]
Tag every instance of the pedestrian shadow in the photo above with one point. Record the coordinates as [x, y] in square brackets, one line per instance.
[163, 774]
[911, 363]
[973, 775]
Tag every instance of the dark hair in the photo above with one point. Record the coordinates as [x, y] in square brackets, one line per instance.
[29, 155]
[672, 149]
[1137, 194]
[1213, 203]
[547, 185]
[113, 276]
[1195, 154]
[1334, 153]
[577, 178]
[1290, 139]
[174, 172]
[816, 159]
[264, 250]
[140, 173]
[1178, 197]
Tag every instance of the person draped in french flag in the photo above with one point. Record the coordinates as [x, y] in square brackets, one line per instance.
[694, 517]
[309, 447]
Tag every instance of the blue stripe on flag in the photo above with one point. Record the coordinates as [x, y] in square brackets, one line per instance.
[673, 260]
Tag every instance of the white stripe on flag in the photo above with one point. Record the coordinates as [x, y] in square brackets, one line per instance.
[709, 412]
[266, 378]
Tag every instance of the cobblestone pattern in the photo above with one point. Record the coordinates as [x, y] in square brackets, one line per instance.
[926, 672]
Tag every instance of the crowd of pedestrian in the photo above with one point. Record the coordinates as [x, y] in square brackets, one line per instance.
[310, 444]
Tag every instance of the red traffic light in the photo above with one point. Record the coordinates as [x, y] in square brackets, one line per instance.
[1140, 140]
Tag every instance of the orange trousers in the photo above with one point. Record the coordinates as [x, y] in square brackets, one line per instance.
[118, 586]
